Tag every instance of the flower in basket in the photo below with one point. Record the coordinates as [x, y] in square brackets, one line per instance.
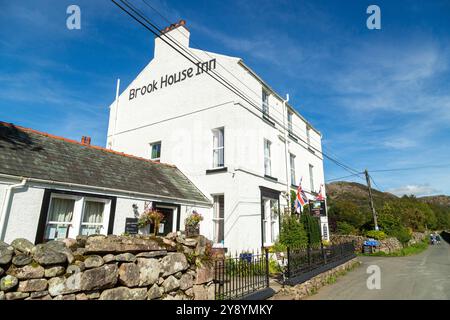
[150, 216]
[193, 219]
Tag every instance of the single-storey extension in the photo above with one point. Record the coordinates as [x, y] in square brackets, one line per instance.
[53, 188]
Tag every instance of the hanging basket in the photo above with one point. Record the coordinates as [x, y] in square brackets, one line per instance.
[192, 231]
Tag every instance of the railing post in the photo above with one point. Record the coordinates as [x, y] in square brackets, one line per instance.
[288, 263]
[324, 254]
[267, 267]
[308, 251]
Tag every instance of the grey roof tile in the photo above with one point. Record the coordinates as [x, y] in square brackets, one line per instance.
[29, 153]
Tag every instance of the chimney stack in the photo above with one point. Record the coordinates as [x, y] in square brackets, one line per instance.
[175, 32]
[86, 140]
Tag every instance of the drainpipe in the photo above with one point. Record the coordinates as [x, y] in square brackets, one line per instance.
[286, 155]
[6, 203]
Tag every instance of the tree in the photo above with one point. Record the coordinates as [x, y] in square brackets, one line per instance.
[293, 233]
[312, 227]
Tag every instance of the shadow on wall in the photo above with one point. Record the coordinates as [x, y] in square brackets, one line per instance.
[15, 139]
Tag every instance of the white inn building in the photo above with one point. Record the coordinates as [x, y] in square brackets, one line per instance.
[243, 150]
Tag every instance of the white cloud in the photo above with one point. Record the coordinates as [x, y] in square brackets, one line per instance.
[414, 189]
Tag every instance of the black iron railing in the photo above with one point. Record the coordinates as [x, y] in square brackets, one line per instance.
[239, 276]
[306, 262]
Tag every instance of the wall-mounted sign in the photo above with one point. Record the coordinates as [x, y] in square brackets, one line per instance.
[131, 226]
[317, 208]
[170, 79]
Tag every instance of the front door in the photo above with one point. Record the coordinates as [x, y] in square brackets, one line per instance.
[165, 226]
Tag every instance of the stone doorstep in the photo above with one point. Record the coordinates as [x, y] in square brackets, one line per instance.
[292, 292]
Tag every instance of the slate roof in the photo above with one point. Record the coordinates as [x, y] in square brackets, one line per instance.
[32, 154]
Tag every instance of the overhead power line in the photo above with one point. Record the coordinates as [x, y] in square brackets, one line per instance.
[213, 74]
[345, 177]
[413, 168]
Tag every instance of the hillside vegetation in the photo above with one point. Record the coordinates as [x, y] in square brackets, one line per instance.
[349, 211]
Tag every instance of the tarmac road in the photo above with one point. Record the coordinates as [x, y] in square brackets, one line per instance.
[423, 276]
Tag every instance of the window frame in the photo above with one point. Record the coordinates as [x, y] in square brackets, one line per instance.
[292, 168]
[311, 177]
[270, 221]
[265, 102]
[152, 144]
[218, 220]
[308, 135]
[48, 222]
[290, 115]
[104, 213]
[218, 148]
[267, 159]
[74, 227]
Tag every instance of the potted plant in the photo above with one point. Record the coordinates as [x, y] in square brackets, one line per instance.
[192, 224]
[150, 216]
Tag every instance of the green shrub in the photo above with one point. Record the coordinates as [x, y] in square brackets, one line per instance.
[292, 233]
[345, 228]
[274, 267]
[376, 234]
[403, 235]
[312, 227]
[277, 247]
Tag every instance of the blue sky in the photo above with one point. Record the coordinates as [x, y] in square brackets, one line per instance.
[381, 98]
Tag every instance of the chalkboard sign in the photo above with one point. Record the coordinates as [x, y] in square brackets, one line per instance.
[131, 225]
[317, 208]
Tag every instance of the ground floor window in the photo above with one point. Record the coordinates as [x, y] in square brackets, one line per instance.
[71, 215]
[59, 218]
[270, 221]
[219, 219]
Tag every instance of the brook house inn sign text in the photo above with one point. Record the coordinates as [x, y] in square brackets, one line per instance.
[170, 79]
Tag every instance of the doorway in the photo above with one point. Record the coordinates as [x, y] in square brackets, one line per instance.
[167, 223]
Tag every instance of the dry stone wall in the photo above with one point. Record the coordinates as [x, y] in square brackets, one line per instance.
[388, 245]
[108, 268]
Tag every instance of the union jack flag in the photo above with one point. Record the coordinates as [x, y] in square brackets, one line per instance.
[301, 198]
[320, 196]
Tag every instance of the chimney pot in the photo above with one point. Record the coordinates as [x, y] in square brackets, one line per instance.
[86, 140]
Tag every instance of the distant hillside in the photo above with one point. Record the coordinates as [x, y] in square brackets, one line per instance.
[356, 192]
[349, 210]
[440, 200]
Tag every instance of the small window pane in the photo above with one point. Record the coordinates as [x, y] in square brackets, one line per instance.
[218, 148]
[267, 161]
[219, 221]
[156, 151]
[311, 177]
[290, 122]
[59, 218]
[292, 162]
[92, 218]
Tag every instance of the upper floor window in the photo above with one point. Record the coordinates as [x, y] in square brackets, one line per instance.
[289, 120]
[311, 177]
[267, 159]
[308, 135]
[218, 148]
[292, 163]
[156, 151]
[265, 102]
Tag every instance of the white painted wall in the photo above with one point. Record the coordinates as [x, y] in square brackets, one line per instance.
[26, 203]
[24, 213]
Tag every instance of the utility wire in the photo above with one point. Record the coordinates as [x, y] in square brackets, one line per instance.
[352, 175]
[229, 72]
[214, 75]
[413, 168]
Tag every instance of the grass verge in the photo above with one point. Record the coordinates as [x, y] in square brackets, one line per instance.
[408, 251]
